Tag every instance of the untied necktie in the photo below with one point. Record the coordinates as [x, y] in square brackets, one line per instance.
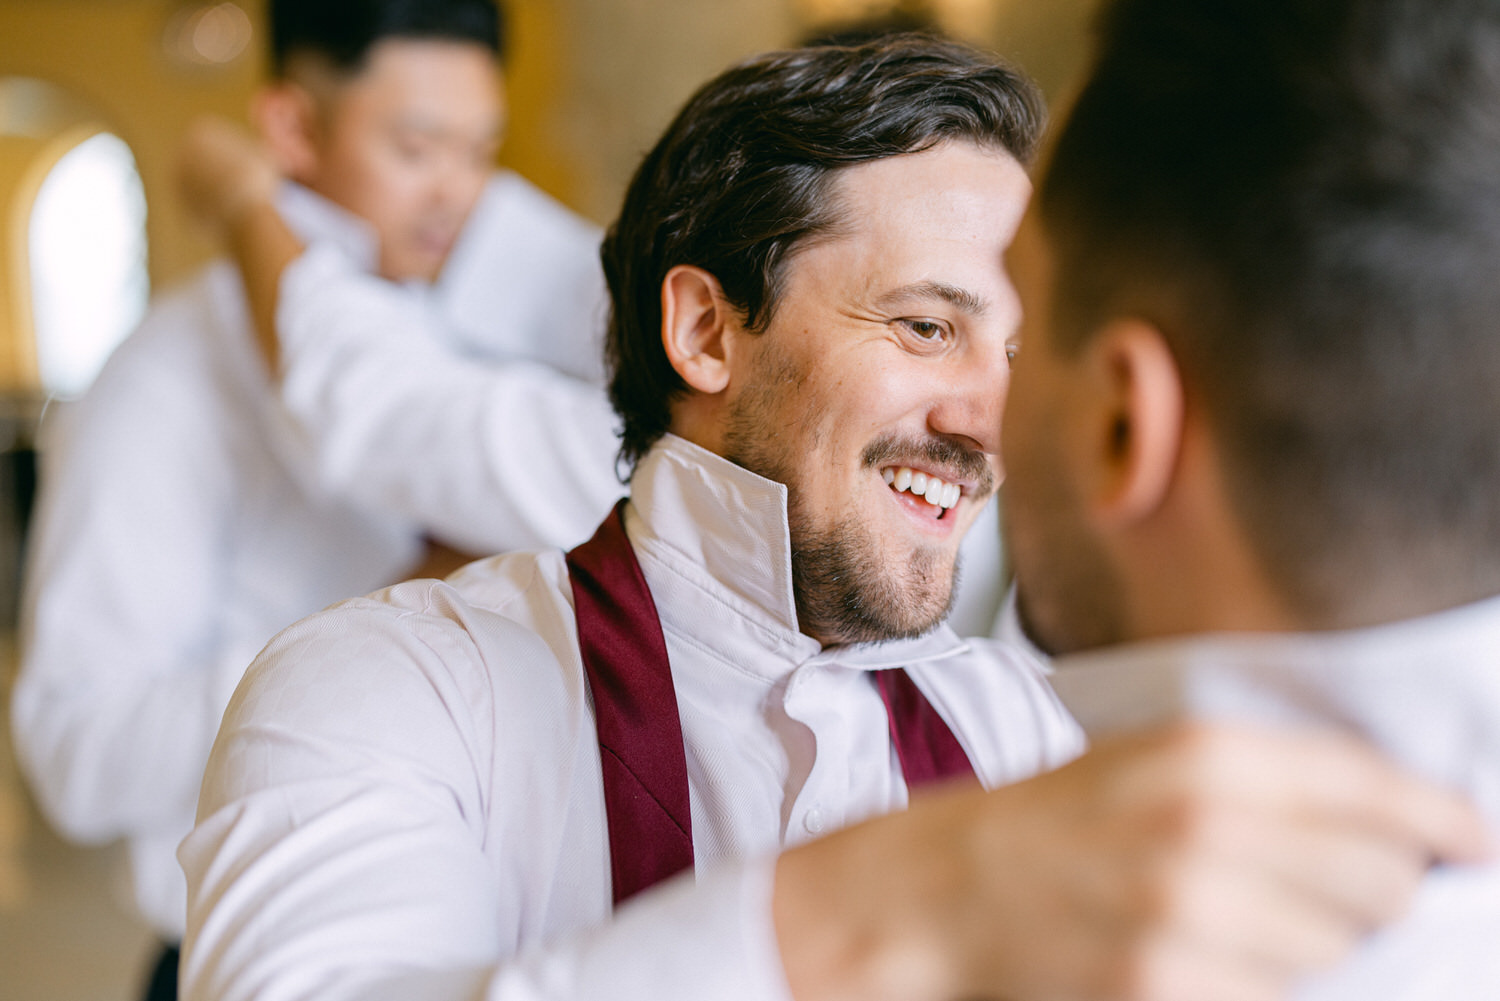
[640, 731]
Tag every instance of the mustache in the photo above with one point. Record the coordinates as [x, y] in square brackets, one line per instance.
[944, 456]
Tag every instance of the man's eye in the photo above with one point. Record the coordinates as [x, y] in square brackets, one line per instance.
[1011, 350]
[926, 330]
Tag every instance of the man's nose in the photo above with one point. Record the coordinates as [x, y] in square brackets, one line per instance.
[971, 400]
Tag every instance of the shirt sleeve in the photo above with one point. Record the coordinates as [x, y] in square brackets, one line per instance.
[486, 456]
[348, 846]
[124, 674]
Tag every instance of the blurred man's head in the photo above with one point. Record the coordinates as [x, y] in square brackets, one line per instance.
[392, 109]
[1262, 281]
[807, 279]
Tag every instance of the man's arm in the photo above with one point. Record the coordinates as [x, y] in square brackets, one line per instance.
[390, 814]
[230, 183]
[487, 457]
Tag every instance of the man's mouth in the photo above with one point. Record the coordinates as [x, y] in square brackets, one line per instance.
[436, 238]
[937, 492]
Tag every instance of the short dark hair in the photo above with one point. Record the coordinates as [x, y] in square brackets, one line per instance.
[741, 178]
[344, 31]
[1304, 196]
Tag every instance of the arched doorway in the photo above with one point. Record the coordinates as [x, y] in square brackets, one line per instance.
[73, 265]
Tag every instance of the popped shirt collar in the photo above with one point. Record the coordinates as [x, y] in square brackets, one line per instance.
[701, 515]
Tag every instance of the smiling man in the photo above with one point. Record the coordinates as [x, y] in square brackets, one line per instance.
[605, 773]
[809, 345]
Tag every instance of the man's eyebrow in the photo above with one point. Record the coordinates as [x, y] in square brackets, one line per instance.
[431, 125]
[928, 291]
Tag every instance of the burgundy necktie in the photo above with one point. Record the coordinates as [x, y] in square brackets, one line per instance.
[640, 731]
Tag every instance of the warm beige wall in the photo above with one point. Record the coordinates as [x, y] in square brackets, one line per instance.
[1046, 38]
[18, 156]
[629, 64]
[632, 63]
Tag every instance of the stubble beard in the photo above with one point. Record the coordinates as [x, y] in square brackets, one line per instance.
[845, 591]
[845, 594]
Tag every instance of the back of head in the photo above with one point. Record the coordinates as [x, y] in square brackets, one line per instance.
[1304, 196]
[742, 178]
[342, 32]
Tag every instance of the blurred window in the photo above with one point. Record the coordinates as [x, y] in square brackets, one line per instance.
[89, 281]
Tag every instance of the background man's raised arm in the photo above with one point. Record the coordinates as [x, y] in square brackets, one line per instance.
[380, 403]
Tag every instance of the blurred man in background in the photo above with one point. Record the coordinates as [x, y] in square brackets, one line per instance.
[180, 524]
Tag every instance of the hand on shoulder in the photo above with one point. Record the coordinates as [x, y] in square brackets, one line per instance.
[1211, 863]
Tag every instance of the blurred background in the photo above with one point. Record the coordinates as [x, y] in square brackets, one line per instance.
[94, 95]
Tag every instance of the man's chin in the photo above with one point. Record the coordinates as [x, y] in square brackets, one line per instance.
[874, 600]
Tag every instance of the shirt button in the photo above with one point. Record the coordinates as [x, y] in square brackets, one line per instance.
[815, 821]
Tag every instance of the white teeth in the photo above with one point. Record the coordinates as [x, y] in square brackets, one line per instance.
[933, 490]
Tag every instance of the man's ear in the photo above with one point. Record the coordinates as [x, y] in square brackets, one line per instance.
[286, 115]
[1140, 420]
[694, 322]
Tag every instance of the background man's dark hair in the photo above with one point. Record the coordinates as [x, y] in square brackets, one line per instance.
[344, 31]
[741, 178]
[1304, 195]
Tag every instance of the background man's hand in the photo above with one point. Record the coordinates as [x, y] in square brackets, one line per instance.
[223, 171]
[1193, 864]
[229, 181]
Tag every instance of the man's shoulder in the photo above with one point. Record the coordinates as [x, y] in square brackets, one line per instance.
[489, 634]
[175, 374]
[186, 324]
[1444, 947]
[507, 594]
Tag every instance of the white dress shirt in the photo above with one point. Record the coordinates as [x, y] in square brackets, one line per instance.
[1425, 691]
[174, 536]
[406, 798]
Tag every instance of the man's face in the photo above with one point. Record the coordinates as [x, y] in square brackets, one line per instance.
[408, 144]
[1069, 596]
[886, 364]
